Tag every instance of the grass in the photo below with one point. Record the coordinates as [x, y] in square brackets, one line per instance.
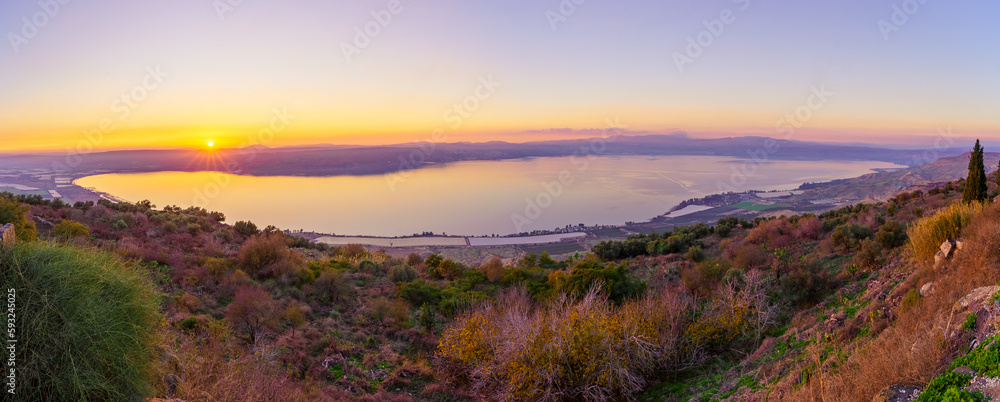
[609, 232]
[985, 358]
[782, 347]
[700, 384]
[84, 323]
[927, 234]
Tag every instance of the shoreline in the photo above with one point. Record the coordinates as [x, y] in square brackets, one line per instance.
[691, 211]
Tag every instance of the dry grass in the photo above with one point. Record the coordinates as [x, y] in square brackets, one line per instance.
[927, 234]
[915, 347]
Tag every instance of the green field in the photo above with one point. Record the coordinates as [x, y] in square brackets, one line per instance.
[608, 232]
[757, 207]
[15, 191]
[555, 248]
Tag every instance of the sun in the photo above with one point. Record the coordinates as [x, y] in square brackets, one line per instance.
[210, 143]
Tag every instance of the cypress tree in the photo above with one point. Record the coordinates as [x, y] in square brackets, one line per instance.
[996, 177]
[975, 184]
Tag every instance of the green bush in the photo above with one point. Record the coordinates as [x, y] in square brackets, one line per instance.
[970, 322]
[615, 281]
[909, 301]
[13, 211]
[420, 292]
[402, 273]
[891, 235]
[985, 358]
[188, 324]
[84, 322]
[245, 228]
[949, 387]
[870, 253]
[849, 235]
[535, 279]
[695, 253]
[68, 229]
[804, 284]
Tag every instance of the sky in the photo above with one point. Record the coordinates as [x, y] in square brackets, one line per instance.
[116, 74]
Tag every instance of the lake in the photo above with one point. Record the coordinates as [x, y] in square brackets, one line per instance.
[475, 197]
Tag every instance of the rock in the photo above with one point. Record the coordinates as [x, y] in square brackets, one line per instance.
[7, 236]
[897, 393]
[948, 247]
[965, 370]
[939, 259]
[978, 300]
[927, 289]
[171, 363]
[170, 383]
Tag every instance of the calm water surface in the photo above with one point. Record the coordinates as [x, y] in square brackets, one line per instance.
[474, 198]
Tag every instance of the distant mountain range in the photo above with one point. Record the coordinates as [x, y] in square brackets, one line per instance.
[331, 160]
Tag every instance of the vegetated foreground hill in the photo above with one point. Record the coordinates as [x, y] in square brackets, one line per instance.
[831, 306]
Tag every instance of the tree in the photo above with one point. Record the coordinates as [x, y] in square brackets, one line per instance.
[450, 270]
[245, 228]
[975, 184]
[252, 312]
[402, 273]
[997, 177]
[14, 212]
[332, 285]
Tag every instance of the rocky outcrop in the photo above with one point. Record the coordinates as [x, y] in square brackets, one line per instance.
[981, 303]
[948, 249]
[897, 393]
[927, 289]
[7, 236]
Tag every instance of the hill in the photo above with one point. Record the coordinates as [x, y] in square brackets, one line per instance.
[334, 160]
[836, 306]
[887, 184]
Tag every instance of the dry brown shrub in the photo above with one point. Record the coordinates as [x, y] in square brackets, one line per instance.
[267, 255]
[217, 368]
[493, 268]
[769, 232]
[809, 228]
[188, 303]
[749, 256]
[353, 251]
[569, 349]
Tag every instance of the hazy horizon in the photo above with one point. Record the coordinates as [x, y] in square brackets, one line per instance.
[123, 75]
[906, 143]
